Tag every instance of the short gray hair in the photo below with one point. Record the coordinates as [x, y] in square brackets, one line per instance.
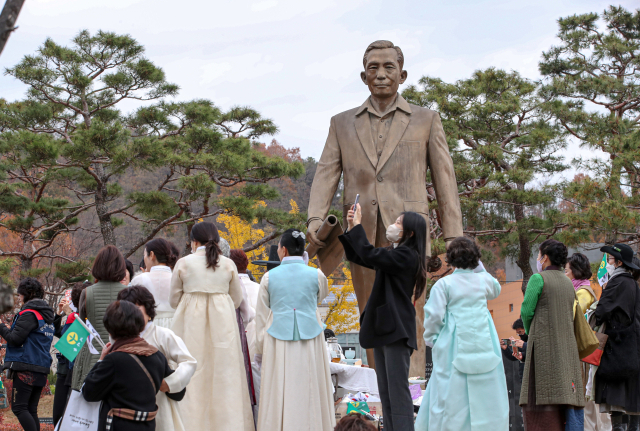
[225, 249]
[383, 44]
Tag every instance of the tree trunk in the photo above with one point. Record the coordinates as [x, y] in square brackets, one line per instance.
[106, 227]
[524, 245]
[8, 19]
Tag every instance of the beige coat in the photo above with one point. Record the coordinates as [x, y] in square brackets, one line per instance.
[396, 181]
[205, 299]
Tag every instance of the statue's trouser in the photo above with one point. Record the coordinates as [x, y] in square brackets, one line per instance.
[363, 279]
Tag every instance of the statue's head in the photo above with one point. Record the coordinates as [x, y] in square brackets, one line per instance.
[383, 74]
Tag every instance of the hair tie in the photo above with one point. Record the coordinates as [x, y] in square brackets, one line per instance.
[297, 234]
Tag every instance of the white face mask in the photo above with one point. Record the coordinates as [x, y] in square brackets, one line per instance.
[610, 268]
[394, 233]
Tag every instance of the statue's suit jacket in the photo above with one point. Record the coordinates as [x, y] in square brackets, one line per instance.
[396, 180]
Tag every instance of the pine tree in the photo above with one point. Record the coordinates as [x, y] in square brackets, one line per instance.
[213, 166]
[74, 93]
[594, 74]
[32, 206]
[501, 141]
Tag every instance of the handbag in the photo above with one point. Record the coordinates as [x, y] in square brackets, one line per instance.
[595, 357]
[585, 337]
[80, 414]
[621, 360]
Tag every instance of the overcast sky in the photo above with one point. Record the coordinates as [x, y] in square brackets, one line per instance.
[298, 62]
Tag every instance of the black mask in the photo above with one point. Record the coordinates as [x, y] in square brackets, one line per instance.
[524, 337]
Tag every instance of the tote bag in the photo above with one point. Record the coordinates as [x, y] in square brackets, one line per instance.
[80, 415]
[585, 337]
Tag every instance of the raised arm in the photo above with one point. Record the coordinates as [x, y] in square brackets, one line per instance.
[323, 291]
[388, 260]
[235, 286]
[444, 181]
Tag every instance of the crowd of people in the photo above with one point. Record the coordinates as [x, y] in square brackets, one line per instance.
[195, 343]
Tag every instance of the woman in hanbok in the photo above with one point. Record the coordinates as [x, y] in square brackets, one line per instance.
[178, 357]
[296, 390]
[159, 260]
[206, 290]
[468, 388]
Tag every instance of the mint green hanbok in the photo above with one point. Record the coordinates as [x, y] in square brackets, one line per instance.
[468, 388]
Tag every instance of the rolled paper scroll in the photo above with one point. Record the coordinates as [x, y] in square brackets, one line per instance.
[331, 254]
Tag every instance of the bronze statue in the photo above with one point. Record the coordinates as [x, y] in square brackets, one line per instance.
[384, 148]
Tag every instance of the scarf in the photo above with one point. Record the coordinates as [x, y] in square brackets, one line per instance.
[135, 345]
[579, 283]
[619, 270]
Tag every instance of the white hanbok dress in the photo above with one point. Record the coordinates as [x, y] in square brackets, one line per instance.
[296, 392]
[184, 365]
[158, 282]
[206, 299]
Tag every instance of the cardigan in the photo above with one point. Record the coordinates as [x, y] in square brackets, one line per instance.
[389, 315]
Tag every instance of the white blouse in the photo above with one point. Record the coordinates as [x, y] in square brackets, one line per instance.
[158, 281]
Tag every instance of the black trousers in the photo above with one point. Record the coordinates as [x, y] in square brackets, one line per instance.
[24, 404]
[392, 369]
[60, 398]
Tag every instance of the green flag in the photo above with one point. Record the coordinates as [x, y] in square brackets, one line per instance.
[73, 340]
[602, 274]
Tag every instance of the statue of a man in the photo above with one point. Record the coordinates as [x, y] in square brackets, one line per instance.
[384, 148]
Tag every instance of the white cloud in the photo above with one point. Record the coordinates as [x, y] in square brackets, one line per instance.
[263, 5]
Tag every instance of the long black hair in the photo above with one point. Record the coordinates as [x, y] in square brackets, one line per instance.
[414, 236]
[207, 234]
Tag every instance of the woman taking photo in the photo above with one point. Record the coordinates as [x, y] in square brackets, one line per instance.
[109, 269]
[129, 374]
[159, 259]
[467, 390]
[552, 391]
[578, 269]
[388, 324]
[617, 380]
[178, 357]
[28, 359]
[206, 290]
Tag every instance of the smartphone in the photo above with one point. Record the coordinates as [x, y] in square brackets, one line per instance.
[514, 347]
[355, 204]
[505, 341]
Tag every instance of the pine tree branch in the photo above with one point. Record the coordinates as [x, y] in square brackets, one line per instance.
[264, 240]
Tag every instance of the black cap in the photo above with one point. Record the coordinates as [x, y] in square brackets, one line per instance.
[621, 252]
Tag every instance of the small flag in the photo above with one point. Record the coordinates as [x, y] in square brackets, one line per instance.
[73, 340]
[603, 274]
[93, 334]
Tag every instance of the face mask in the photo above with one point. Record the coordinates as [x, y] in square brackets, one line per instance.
[393, 233]
[539, 266]
[610, 268]
[524, 337]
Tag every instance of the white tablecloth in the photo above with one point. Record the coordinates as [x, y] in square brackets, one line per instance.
[356, 379]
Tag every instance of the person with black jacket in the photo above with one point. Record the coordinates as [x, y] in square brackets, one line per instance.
[388, 324]
[521, 344]
[617, 380]
[28, 343]
[128, 375]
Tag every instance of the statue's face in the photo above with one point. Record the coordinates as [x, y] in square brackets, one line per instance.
[382, 73]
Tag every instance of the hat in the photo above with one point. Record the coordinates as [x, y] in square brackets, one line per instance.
[621, 252]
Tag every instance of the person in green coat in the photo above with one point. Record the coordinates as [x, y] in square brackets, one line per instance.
[109, 269]
[552, 395]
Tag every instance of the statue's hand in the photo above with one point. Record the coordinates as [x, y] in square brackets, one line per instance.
[312, 231]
